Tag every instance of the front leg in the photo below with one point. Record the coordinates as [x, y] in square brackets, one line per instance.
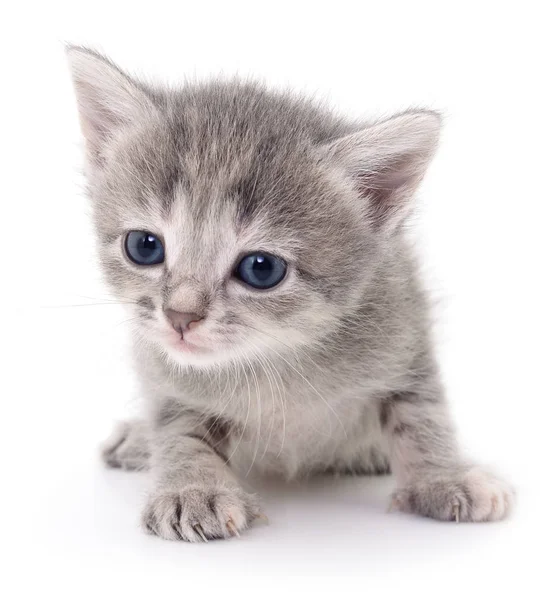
[196, 497]
[433, 479]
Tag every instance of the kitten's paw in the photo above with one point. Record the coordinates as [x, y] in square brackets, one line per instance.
[128, 447]
[462, 494]
[197, 513]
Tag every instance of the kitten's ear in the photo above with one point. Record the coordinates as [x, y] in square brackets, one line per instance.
[387, 161]
[108, 98]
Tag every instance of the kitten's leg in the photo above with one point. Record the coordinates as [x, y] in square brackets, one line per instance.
[128, 447]
[433, 479]
[196, 497]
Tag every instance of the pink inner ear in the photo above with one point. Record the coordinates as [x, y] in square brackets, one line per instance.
[96, 119]
[389, 189]
[388, 185]
[382, 188]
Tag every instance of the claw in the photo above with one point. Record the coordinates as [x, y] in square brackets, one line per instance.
[263, 518]
[393, 505]
[456, 512]
[232, 528]
[198, 530]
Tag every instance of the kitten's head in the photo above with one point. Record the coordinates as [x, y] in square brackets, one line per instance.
[237, 220]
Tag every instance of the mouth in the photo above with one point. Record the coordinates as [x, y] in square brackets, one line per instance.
[189, 347]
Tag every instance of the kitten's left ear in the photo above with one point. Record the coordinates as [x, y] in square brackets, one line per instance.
[387, 161]
[108, 98]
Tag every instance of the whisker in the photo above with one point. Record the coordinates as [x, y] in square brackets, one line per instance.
[310, 385]
[257, 387]
[89, 304]
[264, 361]
[248, 412]
[217, 418]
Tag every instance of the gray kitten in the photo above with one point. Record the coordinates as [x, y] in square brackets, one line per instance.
[279, 324]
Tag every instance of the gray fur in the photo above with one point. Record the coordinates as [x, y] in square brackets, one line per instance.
[333, 370]
[128, 447]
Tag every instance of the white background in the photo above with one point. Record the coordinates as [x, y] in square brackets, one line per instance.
[488, 225]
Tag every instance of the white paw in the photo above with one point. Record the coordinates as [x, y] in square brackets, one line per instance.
[197, 513]
[460, 494]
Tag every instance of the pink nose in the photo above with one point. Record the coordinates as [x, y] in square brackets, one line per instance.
[181, 321]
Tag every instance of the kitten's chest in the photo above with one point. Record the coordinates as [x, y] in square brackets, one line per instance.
[287, 428]
[280, 421]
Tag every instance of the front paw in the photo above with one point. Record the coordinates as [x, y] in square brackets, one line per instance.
[128, 447]
[461, 494]
[198, 513]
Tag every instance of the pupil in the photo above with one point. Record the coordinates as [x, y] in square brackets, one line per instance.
[262, 268]
[147, 245]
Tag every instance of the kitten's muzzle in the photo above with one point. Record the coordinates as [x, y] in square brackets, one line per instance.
[183, 321]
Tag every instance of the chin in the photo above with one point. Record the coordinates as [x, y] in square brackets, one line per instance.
[197, 357]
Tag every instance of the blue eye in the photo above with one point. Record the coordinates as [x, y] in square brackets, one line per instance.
[144, 248]
[261, 271]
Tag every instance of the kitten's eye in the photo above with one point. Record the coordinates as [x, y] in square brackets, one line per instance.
[144, 248]
[261, 271]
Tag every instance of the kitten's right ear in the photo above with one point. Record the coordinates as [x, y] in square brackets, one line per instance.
[108, 98]
[387, 161]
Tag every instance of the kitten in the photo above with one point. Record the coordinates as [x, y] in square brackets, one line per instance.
[280, 327]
